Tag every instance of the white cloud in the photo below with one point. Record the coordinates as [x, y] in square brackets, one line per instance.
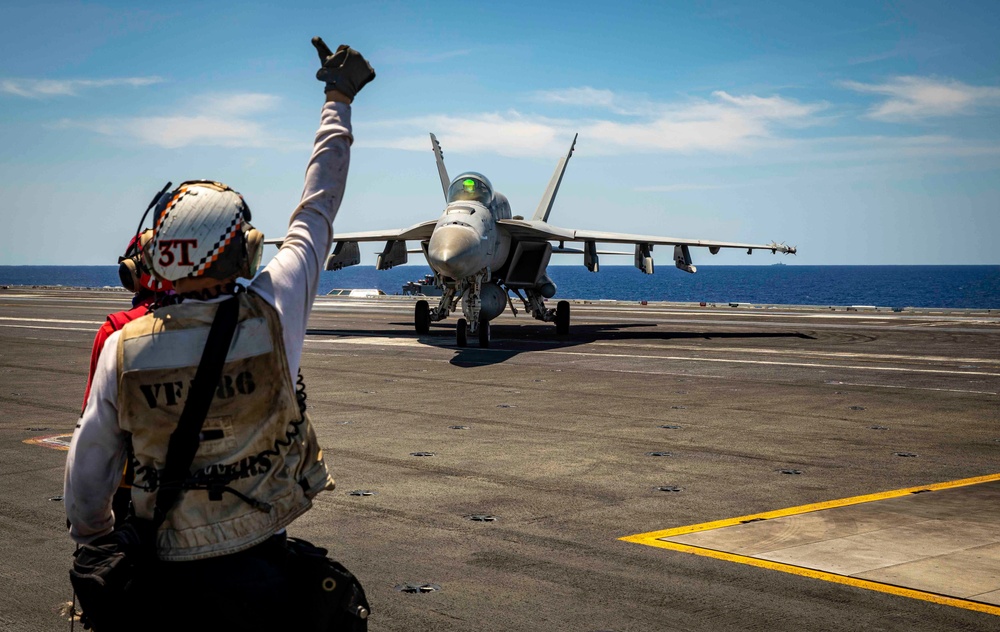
[772, 108]
[585, 97]
[913, 98]
[509, 134]
[602, 99]
[711, 129]
[217, 120]
[180, 131]
[238, 105]
[724, 123]
[41, 88]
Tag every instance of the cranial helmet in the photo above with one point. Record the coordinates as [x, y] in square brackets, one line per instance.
[202, 229]
[133, 272]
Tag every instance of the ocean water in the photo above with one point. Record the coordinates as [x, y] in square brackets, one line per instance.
[972, 287]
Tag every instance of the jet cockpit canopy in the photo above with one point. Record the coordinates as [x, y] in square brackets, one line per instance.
[471, 186]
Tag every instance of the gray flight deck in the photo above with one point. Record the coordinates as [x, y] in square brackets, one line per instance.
[770, 468]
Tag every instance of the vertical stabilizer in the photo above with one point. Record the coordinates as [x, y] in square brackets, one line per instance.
[442, 172]
[545, 206]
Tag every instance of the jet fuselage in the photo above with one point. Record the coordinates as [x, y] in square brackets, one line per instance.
[466, 239]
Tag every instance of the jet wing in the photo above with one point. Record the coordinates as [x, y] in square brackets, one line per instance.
[420, 231]
[346, 252]
[416, 232]
[622, 238]
[537, 231]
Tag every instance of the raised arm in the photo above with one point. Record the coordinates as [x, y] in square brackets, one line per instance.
[290, 281]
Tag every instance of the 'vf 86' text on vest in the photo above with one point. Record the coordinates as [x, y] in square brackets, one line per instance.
[258, 464]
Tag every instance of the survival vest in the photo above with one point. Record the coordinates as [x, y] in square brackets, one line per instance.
[258, 464]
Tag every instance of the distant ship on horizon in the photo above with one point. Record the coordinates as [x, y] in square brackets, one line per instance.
[423, 287]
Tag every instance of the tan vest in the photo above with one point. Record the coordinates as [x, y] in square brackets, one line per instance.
[254, 439]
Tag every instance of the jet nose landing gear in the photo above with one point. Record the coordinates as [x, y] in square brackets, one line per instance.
[462, 333]
[484, 333]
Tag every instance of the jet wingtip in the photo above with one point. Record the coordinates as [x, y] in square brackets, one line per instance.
[775, 248]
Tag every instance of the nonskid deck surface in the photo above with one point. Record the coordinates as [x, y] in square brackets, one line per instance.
[541, 454]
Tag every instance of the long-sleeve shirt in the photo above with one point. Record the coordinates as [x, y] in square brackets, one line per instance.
[289, 283]
[113, 324]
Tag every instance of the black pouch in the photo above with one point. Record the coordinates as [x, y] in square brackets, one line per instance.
[332, 596]
[104, 570]
[101, 576]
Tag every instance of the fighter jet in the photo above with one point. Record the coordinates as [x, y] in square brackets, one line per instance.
[481, 254]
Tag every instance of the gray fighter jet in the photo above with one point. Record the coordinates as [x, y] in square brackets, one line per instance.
[481, 254]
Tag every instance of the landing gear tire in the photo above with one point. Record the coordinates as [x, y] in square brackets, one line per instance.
[422, 317]
[562, 318]
[462, 333]
[484, 333]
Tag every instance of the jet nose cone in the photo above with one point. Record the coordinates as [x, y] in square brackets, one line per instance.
[454, 251]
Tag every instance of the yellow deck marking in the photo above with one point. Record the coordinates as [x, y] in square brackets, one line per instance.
[55, 442]
[656, 539]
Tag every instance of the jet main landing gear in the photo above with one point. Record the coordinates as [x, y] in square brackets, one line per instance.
[462, 333]
[534, 303]
[562, 318]
[422, 317]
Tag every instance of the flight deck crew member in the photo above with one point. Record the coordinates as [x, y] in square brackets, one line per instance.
[136, 277]
[221, 554]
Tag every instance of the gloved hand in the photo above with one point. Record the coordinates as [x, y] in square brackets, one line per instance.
[345, 71]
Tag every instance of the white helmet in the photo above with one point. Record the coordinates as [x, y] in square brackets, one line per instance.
[202, 228]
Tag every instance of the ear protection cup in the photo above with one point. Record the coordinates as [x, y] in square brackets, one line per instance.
[253, 242]
[128, 273]
[133, 273]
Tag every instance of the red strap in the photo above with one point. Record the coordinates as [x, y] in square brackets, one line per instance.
[115, 322]
[120, 319]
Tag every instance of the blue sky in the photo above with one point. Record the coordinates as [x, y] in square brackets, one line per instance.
[864, 134]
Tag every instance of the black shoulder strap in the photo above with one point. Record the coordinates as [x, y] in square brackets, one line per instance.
[184, 441]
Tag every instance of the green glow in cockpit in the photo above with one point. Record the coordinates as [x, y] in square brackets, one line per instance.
[471, 187]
